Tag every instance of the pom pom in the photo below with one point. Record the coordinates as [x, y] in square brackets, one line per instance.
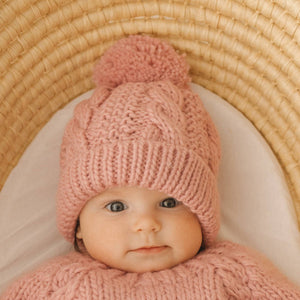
[141, 59]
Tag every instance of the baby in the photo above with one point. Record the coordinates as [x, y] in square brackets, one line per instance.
[138, 193]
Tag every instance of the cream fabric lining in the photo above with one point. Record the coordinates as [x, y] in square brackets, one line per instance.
[257, 208]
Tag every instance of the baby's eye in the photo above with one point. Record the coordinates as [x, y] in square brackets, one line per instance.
[169, 203]
[116, 206]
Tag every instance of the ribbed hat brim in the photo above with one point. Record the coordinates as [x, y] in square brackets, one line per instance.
[171, 169]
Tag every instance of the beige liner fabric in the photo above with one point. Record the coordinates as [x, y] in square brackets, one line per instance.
[246, 51]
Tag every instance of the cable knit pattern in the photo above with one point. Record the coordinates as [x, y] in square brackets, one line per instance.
[143, 126]
[225, 271]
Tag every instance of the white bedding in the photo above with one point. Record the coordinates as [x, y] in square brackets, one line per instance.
[257, 209]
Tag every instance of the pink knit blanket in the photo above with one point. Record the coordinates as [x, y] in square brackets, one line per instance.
[225, 271]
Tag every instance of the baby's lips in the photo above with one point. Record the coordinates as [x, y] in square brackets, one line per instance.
[150, 249]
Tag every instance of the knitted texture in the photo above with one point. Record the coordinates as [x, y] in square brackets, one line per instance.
[143, 126]
[225, 271]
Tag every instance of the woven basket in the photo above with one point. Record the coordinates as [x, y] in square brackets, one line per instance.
[246, 51]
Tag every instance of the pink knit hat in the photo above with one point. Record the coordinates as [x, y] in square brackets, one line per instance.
[143, 126]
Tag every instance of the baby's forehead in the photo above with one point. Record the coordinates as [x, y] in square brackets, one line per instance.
[128, 191]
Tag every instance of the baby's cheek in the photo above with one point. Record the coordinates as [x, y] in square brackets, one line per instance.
[190, 235]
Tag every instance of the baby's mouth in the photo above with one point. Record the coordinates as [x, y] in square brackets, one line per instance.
[150, 249]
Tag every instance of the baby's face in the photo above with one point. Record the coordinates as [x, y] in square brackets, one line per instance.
[138, 230]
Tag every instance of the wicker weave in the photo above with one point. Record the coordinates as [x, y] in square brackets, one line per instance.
[246, 51]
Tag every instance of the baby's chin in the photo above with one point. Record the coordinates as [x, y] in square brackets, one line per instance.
[144, 269]
[148, 266]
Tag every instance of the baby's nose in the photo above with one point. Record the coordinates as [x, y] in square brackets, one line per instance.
[146, 223]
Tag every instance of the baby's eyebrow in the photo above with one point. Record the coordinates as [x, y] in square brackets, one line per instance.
[108, 196]
[112, 193]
